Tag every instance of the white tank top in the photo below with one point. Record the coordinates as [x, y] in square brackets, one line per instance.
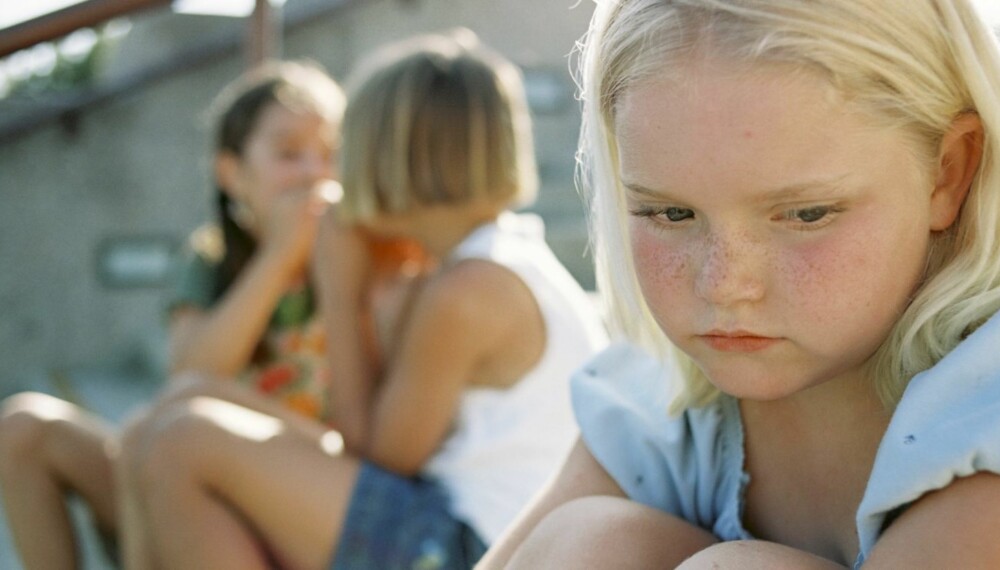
[506, 443]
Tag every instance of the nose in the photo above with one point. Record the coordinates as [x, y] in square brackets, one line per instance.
[317, 166]
[732, 270]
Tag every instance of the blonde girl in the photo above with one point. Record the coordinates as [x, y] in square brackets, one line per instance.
[796, 213]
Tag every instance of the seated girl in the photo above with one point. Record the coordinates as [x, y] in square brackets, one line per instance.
[445, 433]
[242, 308]
[797, 216]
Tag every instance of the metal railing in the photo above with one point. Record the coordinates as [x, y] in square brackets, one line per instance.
[67, 109]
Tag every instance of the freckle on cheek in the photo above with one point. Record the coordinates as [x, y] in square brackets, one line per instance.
[662, 267]
[811, 285]
[673, 269]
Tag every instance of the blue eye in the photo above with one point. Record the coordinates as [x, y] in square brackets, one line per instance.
[810, 215]
[811, 218]
[670, 214]
[677, 214]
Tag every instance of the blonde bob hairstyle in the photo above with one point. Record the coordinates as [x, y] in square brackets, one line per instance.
[435, 120]
[911, 65]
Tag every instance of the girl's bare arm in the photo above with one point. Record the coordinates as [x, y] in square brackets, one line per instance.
[462, 317]
[951, 528]
[220, 341]
[955, 527]
[341, 266]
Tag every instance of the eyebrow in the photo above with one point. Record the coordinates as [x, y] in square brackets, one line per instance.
[811, 187]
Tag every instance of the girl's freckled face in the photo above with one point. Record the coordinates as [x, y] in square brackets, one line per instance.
[776, 235]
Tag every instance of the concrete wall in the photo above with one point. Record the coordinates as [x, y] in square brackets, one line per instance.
[135, 168]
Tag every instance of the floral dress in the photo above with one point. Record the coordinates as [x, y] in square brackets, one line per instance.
[294, 371]
[289, 364]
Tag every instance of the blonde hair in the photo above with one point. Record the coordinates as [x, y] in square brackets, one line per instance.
[436, 120]
[912, 65]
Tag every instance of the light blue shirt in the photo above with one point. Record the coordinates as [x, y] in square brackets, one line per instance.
[947, 425]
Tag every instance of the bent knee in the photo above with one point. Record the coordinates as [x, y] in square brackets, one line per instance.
[723, 550]
[598, 531]
[754, 554]
[172, 442]
[26, 422]
[594, 516]
[569, 534]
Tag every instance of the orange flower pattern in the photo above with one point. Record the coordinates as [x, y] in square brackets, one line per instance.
[295, 373]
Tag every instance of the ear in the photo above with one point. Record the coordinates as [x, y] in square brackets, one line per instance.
[227, 168]
[960, 153]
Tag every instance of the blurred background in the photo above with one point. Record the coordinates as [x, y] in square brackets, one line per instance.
[103, 168]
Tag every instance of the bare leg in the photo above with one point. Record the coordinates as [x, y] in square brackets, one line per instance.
[133, 536]
[609, 532]
[218, 480]
[144, 425]
[48, 447]
[193, 385]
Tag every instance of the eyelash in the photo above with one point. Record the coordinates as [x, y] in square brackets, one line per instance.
[661, 215]
[827, 215]
[654, 213]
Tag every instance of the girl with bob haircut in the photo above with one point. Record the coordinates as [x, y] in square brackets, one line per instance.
[440, 126]
[796, 212]
[446, 433]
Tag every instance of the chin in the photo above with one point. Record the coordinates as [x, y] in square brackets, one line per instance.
[755, 394]
[744, 385]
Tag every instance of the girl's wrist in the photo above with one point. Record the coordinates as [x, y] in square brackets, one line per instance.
[281, 261]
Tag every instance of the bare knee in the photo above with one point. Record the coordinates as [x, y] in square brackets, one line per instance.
[27, 421]
[163, 447]
[722, 555]
[602, 532]
[755, 554]
[569, 535]
[150, 432]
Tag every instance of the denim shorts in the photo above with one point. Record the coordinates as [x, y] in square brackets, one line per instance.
[397, 523]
